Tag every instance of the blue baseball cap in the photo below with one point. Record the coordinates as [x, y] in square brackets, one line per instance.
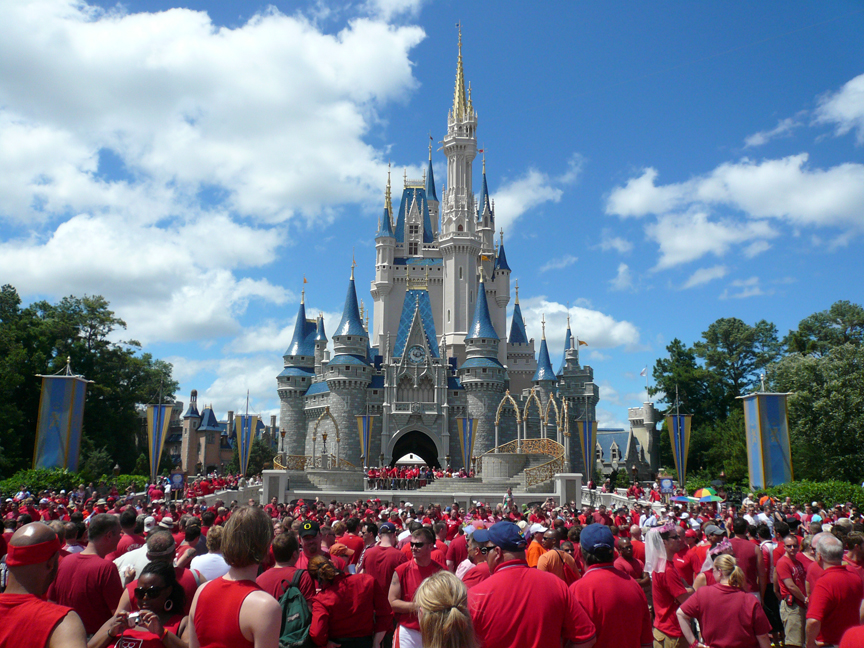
[596, 536]
[502, 534]
[387, 528]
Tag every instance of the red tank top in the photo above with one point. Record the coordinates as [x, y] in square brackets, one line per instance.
[217, 615]
[28, 621]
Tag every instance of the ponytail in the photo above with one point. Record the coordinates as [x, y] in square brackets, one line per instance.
[729, 567]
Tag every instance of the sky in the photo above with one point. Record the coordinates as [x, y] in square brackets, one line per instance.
[654, 166]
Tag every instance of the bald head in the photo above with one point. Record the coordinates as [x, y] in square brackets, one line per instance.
[636, 532]
[33, 533]
[33, 578]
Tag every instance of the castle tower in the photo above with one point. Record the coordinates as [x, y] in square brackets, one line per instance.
[501, 282]
[521, 361]
[544, 379]
[298, 374]
[348, 374]
[481, 375]
[189, 443]
[431, 194]
[459, 244]
[486, 222]
[576, 387]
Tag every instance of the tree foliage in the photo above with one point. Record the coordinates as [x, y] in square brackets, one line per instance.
[260, 457]
[39, 339]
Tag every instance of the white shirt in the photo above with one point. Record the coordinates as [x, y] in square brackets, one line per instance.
[211, 565]
[137, 559]
[463, 568]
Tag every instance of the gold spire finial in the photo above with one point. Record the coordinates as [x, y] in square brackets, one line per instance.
[459, 107]
[388, 203]
[353, 263]
[481, 273]
[543, 324]
[517, 291]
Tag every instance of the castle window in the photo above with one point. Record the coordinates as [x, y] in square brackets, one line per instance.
[413, 230]
[460, 272]
[448, 314]
[412, 248]
[460, 229]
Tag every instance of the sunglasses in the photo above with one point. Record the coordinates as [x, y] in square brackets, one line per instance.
[148, 592]
[485, 550]
[419, 545]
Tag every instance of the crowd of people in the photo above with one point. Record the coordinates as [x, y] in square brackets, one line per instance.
[144, 572]
[410, 477]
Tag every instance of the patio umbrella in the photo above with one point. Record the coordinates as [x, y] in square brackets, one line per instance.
[704, 492]
[710, 498]
[683, 498]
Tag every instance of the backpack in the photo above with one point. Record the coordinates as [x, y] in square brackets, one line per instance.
[296, 617]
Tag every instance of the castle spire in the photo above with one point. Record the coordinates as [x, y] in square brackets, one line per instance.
[460, 108]
[388, 202]
[567, 345]
[518, 335]
[481, 326]
[544, 366]
[431, 194]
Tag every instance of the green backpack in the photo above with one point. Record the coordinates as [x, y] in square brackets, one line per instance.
[296, 617]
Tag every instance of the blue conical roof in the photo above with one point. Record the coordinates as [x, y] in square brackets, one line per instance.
[351, 323]
[303, 342]
[410, 195]
[518, 334]
[430, 183]
[209, 422]
[566, 347]
[544, 366]
[484, 200]
[501, 259]
[481, 326]
[320, 335]
[385, 228]
[192, 412]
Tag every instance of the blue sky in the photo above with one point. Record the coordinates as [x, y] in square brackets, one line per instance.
[655, 166]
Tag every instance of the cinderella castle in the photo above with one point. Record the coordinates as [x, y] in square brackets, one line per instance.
[438, 352]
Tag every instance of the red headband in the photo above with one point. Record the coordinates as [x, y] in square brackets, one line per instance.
[32, 554]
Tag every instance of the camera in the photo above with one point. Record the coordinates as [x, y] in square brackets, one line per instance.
[132, 619]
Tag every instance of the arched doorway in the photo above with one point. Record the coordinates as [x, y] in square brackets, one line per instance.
[418, 443]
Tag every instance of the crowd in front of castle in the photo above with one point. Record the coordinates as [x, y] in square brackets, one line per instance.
[146, 572]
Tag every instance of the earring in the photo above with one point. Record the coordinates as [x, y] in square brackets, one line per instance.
[169, 605]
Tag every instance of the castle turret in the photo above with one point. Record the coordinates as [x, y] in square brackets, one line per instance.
[298, 374]
[486, 219]
[431, 194]
[567, 344]
[544, 378]
[189, 442]
[501, 282]
[321, 355]
[521, 362]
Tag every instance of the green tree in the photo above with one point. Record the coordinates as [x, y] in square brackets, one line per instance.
[841, 324]
[826, 412]
[260, 457]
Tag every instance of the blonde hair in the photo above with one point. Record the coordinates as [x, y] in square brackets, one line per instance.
[728, 567]
[247, 537]
[442, 600]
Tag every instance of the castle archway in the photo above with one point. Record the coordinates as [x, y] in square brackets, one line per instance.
[414, 441]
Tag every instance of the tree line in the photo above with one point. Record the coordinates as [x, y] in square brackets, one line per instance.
[821, 363]
[38, 339]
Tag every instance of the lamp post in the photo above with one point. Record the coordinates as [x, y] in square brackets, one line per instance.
[447, 459]
[474, 465]
[282, 434]
[323, 449]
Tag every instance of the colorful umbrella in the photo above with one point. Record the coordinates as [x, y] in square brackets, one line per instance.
[704, 492]
[683, 498]
[710, 498]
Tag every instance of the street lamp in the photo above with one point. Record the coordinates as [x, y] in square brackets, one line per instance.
[323, 448]
[282, 434]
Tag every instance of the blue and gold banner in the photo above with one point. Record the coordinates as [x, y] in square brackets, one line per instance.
[467, 428]
[679, 435]
[588, 441]
[245, 428]
[58, 431]
[158, 420]
[364, 428]
[766, 425]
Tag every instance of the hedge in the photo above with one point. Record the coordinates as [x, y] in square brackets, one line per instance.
[60, 479]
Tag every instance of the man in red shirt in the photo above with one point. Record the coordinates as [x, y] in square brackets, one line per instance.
[638, 545]
[382, 559]
[630, 565]
[836, 599]
[28, 619]
[667, 587]
[406, 579]
[608, 595]
[749, 558]
[520, 607]
[790, 576]
[87, 582]
[352, 540]
[130, 540]
[310, 541]
[286, 550]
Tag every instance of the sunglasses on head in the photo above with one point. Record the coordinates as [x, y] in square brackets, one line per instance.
[148, 592]
[418, 545]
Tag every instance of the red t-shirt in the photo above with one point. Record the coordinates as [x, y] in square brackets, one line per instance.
[520, 607]
[684, 566]
[128, 542]
[745, 556]
[666, 587]
[380, 563]
[603, 592]
[28, 620]
[835, 601]
[477, 574]
[187, 581]
[728, 617]
[813, 571]
[631, 566]
[854, 638]
[351, 606]
[452, 528]
[134, 638]
[410, 576]
[788, 568]
[352, 542]
[303, 561]
[90, 585]
[275, 581]
[457, 551]
[638, 550]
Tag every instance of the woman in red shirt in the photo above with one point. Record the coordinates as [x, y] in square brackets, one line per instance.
[351, 611]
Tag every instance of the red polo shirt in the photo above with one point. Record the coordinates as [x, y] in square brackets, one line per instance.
[520, 607]
[604, 592]
[727, 616]
[666, 587]
[835, 601]
[788, 568]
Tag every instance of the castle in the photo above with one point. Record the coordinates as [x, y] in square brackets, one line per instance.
[437, 350]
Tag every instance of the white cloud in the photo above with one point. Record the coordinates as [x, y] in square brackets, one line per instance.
[687, 237]
[609, 242]
[745, 288]
[386, 10]
[783, 129]
[559, 263]
[608, 420]
[623, 280]
[599, 330]
[845, 109]
[704, 275]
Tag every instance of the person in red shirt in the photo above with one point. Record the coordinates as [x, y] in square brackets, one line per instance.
[406, 579]
[310, 541]
[130, 540]
[631, 565]
[349, 609]
[667, 587]
[728, 616]
[286, 550]
[86, 581]
[608, 594]
[522, 607]
[27, 618]
[638, 544]
[382, 559]
[352, 540]
[457, 551]
[835, 602]
[682, 556]
[748, 556]
[790, 577]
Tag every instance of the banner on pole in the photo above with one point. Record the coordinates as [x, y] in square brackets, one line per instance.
[245, 427]
[364, 428]
[588, 441]
[679, 435]
[58, 430]
[467, 428]
[766, 424]
[158, 420]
